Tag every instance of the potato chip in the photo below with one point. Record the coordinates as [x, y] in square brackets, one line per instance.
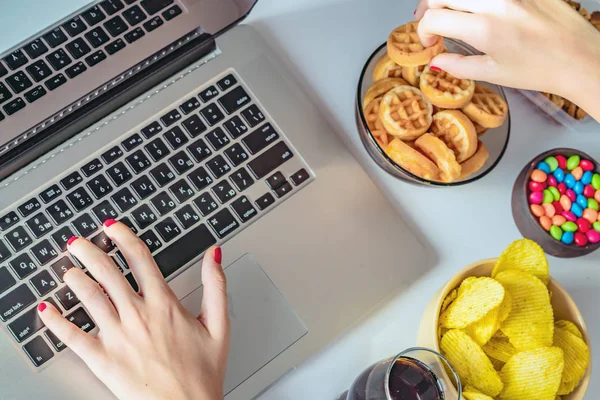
[498, 365]
[470, 362]
[476, 297]
[482, 331]
[499, 349]
[470, 393]
[525, 255]
[577, 359]
[531, 322]
[533, 374]
[568, 326]
[449, 299]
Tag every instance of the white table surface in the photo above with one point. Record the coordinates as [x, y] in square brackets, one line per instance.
[325, 44]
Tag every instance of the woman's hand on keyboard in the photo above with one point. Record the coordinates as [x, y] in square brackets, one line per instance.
[149, 346]
[541, 45]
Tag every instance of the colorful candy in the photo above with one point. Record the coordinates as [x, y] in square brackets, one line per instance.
[539, 176]
[552, 181]
[569, 181]
[567, 237]
[569, 216]
[577, 210]
[593, 236]
[546, 222]
[562, 188]
[588, 191]
[571, 195]
[557, 207]
[596, 181]
[537, 210]
[539, 187]
[549, 210]
[596, 225]
[586, 165]
[590, 214]
[569, 226]
[586, 179]
[558, 220]
[559, 174]
[582, 201]
[583, 225]
[562, 162]
[597, 196]
[565, 202]
[556, 232]
[555, 193]
[578, 188]
[552, 163]
[593, 204]
[580, 239]
[573, 162]
[544, 167]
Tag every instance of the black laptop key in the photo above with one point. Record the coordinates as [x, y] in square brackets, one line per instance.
[8, 220]
[93, 16]
[151, 130]
[3, 70]
[236, 154]
[119, 173]
[29, 207]
[121, 258]
[181, 162]
[99, 186]
[62, 236]
[283, 189]
[162, 174]
[227, 82]
[199, 150]
[60, 212]
[85, 225]
[189, 106]
[218, 166]
[234, 100]
[103, 242]
[14, 106]
[95, 58]
[130, 225]
[253, 115]
[38, 351]
[172, 12]
[176, 138]
[223, 223]
[151, 240]
[157, 149]
[261, 138]
[27, 324]
[275, 180]
[200, 178]
[132, 142]
[182, 191]
[124, 199]
[80, 199]
[6, 280]
[60, 267]
[265, 201]
[5, 94]
[187, 216]
[243, 209]
[15, 60]
[78, 48]
[19, 82]
[43, 283]
[138, 161]
[194, 126]
[235, 127]
[92, 167]
[39, 225]
[112, 6]
[55, 37]
[271, 159]
[67, 298]
[104, 211]
[154, 23]
[163, 203]
[4, 252]
[241, 179]
[55, 81]
[208, 94]
[206, 204]
[39, 70]
[22, 265]
[184, 250]
[217, 139]
[56, 342]
[299, 177]
[35, 94]
[97, 37]
[74, 27]
[224, 191]
[80, 319]
[18, 238]
[43, 252]
[59, 59]
[134, 35]
[115, 46]
[168, 229]
[48, 195]
[143, 216]
[35, 48]
[154, 6]
[134, 15]
[15, 302]
[71, 180]
[212, 114]
[115, 26]
[170, 118]
[143, 187]
[112, 154]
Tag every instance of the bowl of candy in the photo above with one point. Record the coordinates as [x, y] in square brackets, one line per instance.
[510, 330]
[421, 124]
[555, 201]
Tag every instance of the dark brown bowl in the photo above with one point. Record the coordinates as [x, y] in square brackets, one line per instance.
[528, 224]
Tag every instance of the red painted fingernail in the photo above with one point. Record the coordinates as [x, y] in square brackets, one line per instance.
[415, 13]
[434, 68]
[41, 307]
[70, 241]
[218, 255]
[109, 222]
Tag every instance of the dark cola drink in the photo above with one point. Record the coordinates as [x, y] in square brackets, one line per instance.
[410, 379]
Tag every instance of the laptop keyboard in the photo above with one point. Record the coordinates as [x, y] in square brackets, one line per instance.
[76, 46]
[194, 177]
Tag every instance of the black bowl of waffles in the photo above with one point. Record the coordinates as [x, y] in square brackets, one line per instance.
[423, 126]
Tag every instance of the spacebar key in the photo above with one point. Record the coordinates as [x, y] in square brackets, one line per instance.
[264, 164]
[184, 250]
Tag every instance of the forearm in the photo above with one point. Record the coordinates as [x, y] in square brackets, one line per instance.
[583, 86]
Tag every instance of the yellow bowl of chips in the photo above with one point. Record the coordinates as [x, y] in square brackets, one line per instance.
[484, 377]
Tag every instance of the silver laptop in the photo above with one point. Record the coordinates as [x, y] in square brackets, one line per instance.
[167, 115]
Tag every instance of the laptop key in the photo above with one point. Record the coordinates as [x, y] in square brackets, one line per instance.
[283, 190]
[61, 237]
[29, 207]
[112, 6]
[6, 280]
[261, 138]
[182, 191]
[22, 265]
[208, 94]
[212, 114]
[99, 186]
[80, 199]
[119, 174]
[134, 15]
[157, 149]
[35, 94]
[55, 81]
[3, 70]
[43, 283]
[138, 161]
[275, 180]
[253, 115]
[59, 59]
[80, 318]
[132, 142]
[121, 258]
[271, 159]
[236, 154]
[163, 203]
[115, 46]
[143, 187]
[92, 167]
[227, 82]
[5, 94]
[71, 180]
[59, 212]
[206, 204]
[143, 216]
[199, 150]
[134, 35]
[61, 267]
[39, 70]
[29, 323]
[104, 211]
[112, 154]
[193, 125]
[43, 252]
[224, 191]
[151, 241]
[217, 139]
[15, 302]
[187, 216]
[38, 351]
[235, 127]
[200, 178]
[168, 229]
[35, 48]
[151, 130]
[74, 27]
[39, 225]
[223, 223]
[176, 138]
[154, 6]
[95, 58]
[15, 60]
[19, 82]
[299, 177]
[184, 250]
[103, 242]
[132, 282]
[8, 220]
[18, 238]
[181, 162]
[234, 100]
[154, 23]
[55, 37]
[97, 37]
[130, 225]
[85, 225]
[170, 118]
[243, 209]
[4, 252]
[265, 201]
[67, 298]
[124, 199]
[48, 195]
[241, 179]
[14, 106]
[162, 174]
[115, 26]
[56, 342]
[93, 16]
[189, 106]
[218, 166]
[172, 12]
[78, 48]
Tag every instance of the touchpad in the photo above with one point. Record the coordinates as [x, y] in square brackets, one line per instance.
[262, 322]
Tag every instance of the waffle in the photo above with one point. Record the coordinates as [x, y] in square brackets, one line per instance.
[405, 113]
[595, 21]
[476, 162]
[557, 100]
[412, 75]
[386, 68]
[374, 124]
[441, 155]
[574, 111]
[480, 130]
[411, 160]
[487, 107]
[446, 91]
[456, 130]
[406, 49]
[381, 87]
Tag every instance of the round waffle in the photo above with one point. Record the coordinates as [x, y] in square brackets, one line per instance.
[487, 107]
[374, 124]
[386, 68]
[411, 160]
[479, 129]
[446, 91]
[457, 131]
[405, 113]
[441, 155]
[412, 75]
[380, 88]
[406, 49]
[476, 162]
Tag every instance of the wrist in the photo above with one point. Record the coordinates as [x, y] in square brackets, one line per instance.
[581, 84]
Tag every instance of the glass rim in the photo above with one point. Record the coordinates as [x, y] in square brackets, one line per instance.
[403, 353]
[391, 162]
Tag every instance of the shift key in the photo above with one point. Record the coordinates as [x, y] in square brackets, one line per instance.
[28, 324]
[264, 164]
[15, 302]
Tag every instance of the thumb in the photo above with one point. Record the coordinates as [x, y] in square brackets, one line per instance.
[213, 312]
[478, 68]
